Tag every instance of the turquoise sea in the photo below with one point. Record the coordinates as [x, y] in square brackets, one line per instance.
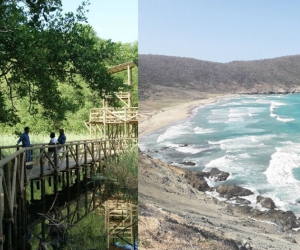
[256, 138]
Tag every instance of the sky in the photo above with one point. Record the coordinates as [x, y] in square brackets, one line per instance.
[111, 19]
[219, 30]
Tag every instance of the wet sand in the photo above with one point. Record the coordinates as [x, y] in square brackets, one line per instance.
[152, 120]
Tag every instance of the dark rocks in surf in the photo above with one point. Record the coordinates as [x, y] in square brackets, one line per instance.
[188, 163]
[265, 202]
[196, 180]
[287, 219]
[242, 201]
[218, 175]
[243, 209]
[232, 191]
[183, 145]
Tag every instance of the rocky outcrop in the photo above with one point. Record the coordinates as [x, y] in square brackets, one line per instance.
[232, 191]
[196, 180]
[188, 163]
[287, 219]
[265, 202]
[242, 201]
[218, 175]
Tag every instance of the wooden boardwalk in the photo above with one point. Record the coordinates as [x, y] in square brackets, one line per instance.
[78, 161]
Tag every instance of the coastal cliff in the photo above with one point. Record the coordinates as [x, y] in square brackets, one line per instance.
[175, 214]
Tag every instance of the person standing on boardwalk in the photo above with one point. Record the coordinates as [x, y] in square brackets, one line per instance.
[24, 138]
[61, 140]
[51, 151]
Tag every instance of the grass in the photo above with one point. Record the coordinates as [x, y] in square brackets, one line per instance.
[123, 171]
[89, 232]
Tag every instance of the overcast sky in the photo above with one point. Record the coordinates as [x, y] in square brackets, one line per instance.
[219, 30]
[111, 19]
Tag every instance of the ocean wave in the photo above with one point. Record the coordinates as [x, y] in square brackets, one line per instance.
[280, 172]
[284, 119]
[237, 119]
[174, 132]
[263, 101]
[273, 106]
[231, 104]
[199, 130]
[243, 142]
[189, 150]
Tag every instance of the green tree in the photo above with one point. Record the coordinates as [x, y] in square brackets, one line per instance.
[41, 48]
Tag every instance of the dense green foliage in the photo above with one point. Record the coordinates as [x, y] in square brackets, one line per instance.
[53, 67]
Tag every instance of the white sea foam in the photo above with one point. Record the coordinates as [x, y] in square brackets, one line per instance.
[143, 147]
[280, 173]
[238, 119]
[263, 101]
[243, 142]
[174, 132]
[210, 182]
[189, 150]
[224, 161]
[284, 119]
[199, 130]
[172, 145]
[273, 106]
[218, 116]
[254, 111]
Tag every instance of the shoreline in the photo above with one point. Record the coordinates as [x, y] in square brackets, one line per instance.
[166, 198]
[150, 121]
[185, 111]
[175, 214]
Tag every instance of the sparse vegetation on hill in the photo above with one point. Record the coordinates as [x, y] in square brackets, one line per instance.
[186, 75]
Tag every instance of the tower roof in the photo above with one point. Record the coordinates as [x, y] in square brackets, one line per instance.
[121, 67]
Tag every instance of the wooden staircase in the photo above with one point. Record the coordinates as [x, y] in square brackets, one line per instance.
[119, 221]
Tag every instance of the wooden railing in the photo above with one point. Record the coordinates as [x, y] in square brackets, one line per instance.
[14, 177]
[113, 115]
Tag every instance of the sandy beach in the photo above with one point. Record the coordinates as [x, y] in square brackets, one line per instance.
[155, 119]
[173, 214]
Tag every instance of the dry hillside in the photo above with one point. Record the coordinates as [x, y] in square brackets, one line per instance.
[163, 77]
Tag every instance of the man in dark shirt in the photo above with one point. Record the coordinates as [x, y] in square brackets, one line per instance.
[62, 137]
[24, 138]
[61, 140]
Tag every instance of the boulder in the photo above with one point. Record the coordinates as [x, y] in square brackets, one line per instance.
[196, 180]
[259, 198]
[267, 203]
[243, 209]
[232, 191]
[188, 163]
[218, 175]
[242, 201]
[286, 219]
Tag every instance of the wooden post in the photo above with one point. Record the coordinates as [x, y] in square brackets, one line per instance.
[1, 210]
[68, 182]
[77, 179]
[129, 70]
[31, 190]
[7, 212]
